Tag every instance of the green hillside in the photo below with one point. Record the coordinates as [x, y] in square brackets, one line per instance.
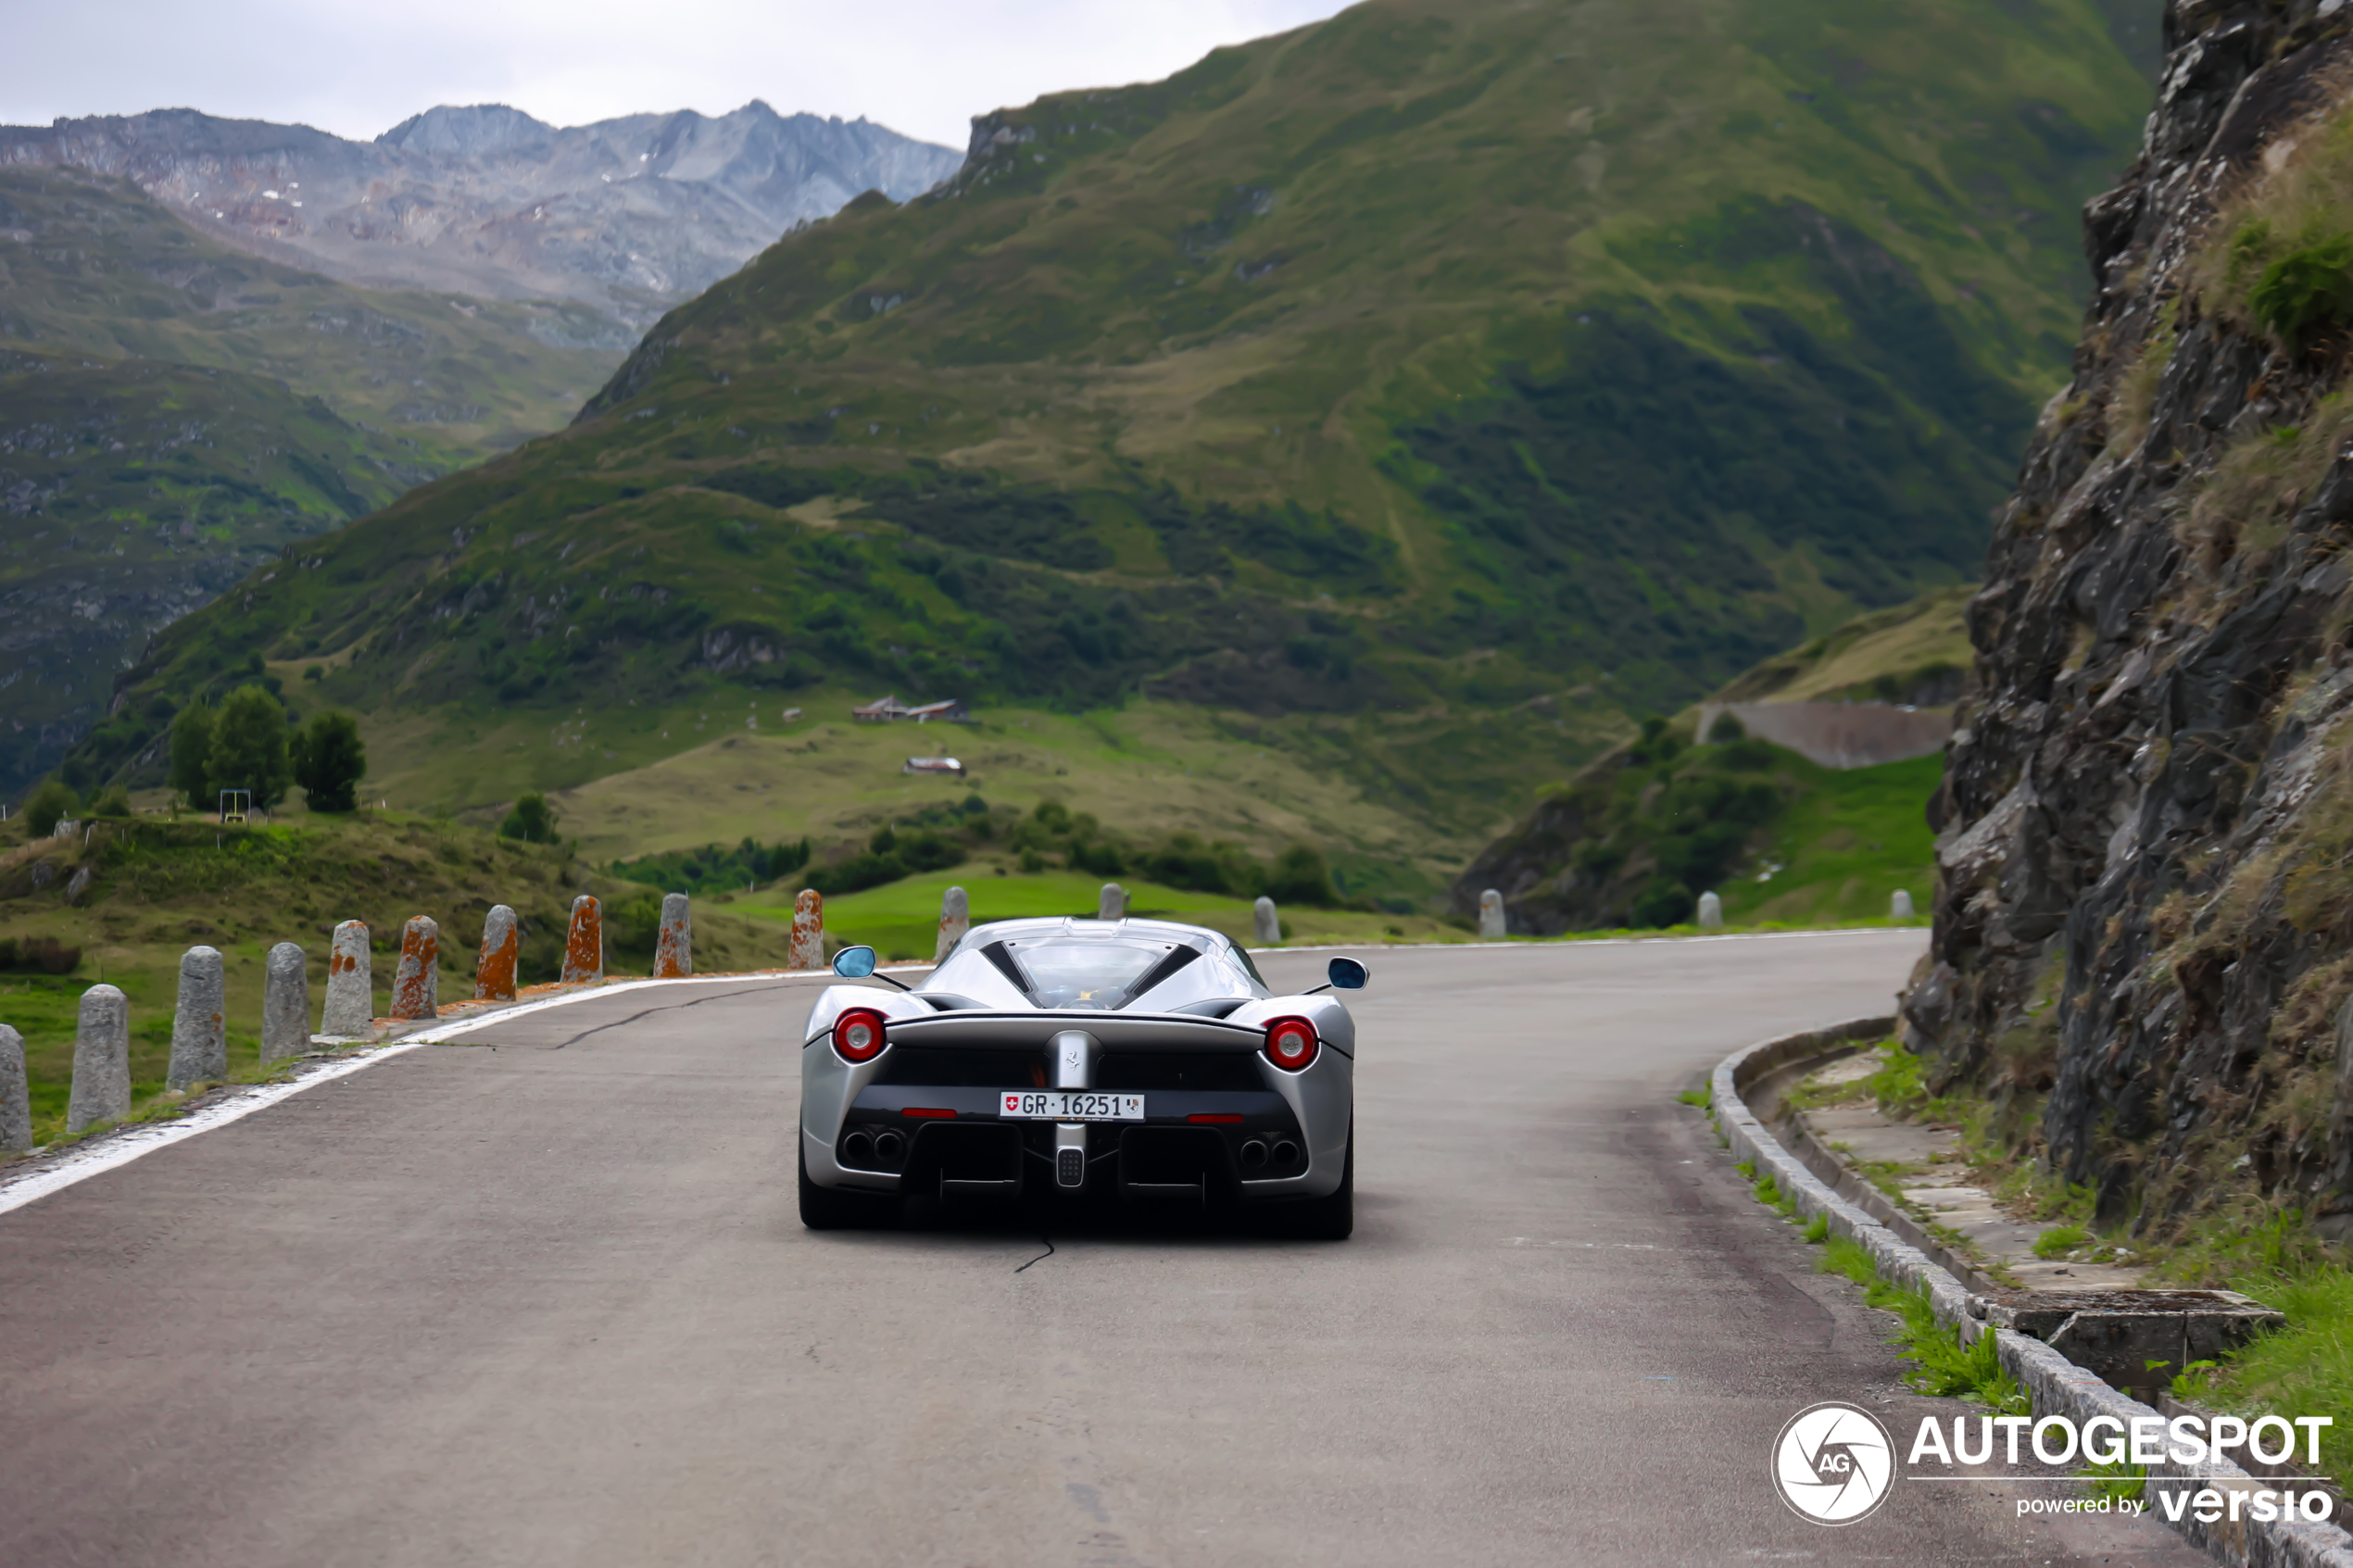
[1436, 361]
[173, 413]
[130, 492]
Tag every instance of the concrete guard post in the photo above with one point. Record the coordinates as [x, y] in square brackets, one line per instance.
[674, 947]
[101, 1060]
[351, 986]
[955, 919]
[285, 1003]
[1265, 925]
[807, 931]
[1491, 916]
[416, 984]
[1900, 907]
[1711, 909]
[1112, 903]
[501, 952]
[15, 1093]
[585, 942]
[200, 1022]
[2057, 1386]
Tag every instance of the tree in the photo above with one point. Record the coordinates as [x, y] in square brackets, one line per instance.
[192, 754]
[249, 746]
[47, 806]
[329, 762]
[532, 820]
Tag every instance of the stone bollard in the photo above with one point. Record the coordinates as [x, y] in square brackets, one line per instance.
[1900, 907]
[675, 948]
[15, 1093]
[351, 985]
[416, 984]
[101, 1060]
[200, 1023]
[1112, 903]
[1491, 915]
[1266, 923]
[807, 931]
[1711, 909]
[955, 919]
[585, 942]
[501, 951]
[285, 1003]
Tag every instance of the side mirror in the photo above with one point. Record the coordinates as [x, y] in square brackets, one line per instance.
[857, 963]
[1346, 975]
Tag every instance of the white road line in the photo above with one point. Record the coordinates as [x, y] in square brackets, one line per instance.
[144, 1138]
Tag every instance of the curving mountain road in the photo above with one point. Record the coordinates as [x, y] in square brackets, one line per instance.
[543, 1299]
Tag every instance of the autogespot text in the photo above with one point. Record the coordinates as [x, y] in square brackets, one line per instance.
[2111, 1442]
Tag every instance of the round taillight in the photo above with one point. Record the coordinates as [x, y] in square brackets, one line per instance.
[858, 1035]
[1291, 1043]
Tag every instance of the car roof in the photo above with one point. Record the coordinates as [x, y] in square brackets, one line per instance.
[1074, 925]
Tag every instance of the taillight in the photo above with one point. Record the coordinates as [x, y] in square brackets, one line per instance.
[1291, 1043]
[858, 1035]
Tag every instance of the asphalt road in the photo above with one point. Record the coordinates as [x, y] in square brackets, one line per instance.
[544, 1300]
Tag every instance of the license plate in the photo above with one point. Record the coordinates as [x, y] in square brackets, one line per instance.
[1065, 1105]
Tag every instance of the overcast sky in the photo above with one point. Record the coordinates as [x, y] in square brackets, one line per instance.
[924, 66]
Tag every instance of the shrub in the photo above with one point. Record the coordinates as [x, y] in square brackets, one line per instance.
[1726, 730]
[45, 954]
[47, 806]
[531, 819]
[2307, 290]
[1300, 876]
[115, 802]
[192, 754]
[329, 763]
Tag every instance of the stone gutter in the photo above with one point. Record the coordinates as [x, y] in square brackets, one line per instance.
[2057, 1386]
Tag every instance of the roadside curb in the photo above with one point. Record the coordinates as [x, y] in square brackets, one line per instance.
[2059, 1385]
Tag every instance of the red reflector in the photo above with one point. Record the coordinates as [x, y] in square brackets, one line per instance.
[919, 1111]
[1211, 1116]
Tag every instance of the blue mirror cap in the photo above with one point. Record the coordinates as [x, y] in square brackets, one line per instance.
[857, 963]
[1347, 974]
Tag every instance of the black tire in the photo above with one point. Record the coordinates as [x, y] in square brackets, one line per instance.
[1330, 1218]
[828, 1208]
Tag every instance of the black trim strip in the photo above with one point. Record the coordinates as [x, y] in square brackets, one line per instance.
[1008, 966]
[1174, 959]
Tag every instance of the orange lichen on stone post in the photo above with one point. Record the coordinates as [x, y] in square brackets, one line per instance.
[501, 945]
[416, 987]
[585, 942]
[807, 931]
[674, 947]
[351, 995]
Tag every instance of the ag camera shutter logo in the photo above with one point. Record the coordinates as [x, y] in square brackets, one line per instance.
[1833, 1462]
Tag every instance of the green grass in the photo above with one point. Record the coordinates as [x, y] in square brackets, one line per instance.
[1850, 839]
[1437, 385]
[1703, 1099]
[1817, 1230]
[2306, 1368]
[1942, 1365]
[2059, 1240]
[2119, 1482]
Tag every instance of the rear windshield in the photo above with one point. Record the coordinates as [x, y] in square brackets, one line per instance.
[1081, 972]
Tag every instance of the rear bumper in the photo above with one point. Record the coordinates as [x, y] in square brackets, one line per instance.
[1254, 1151]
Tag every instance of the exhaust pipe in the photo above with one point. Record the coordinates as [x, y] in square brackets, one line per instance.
[1253, 1155]
[1286, 1153]
[857, 1148]
[889, 1146]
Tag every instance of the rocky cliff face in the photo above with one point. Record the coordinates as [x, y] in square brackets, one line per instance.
[2145, 909]
[631, 215]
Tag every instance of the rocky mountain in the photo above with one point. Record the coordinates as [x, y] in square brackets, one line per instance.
[2143, 928]
[1478, 370]
[626, 216]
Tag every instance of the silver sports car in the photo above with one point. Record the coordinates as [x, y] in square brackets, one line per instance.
[1130, 1060]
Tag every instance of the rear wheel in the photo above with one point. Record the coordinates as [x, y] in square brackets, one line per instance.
[829, 1209]
[1329, 1218]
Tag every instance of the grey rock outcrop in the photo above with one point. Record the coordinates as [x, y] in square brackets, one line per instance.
[101, 1060]
[200, 1021]
[629, 215]
[2143, 909]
